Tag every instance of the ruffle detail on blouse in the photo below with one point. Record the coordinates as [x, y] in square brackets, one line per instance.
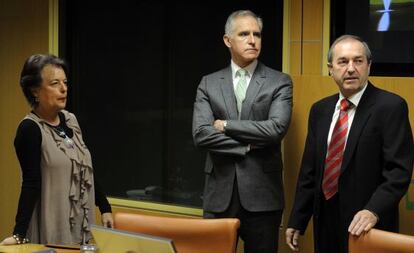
[81, 183]
[80, 189]
[82, 175]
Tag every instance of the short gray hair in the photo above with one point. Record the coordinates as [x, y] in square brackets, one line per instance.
[228, 28]
[349, 37]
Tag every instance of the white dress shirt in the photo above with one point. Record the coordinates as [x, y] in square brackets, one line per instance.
[354, 99]
[250, 70]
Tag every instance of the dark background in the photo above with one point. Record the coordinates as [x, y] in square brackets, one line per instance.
[134, 69]
[392, 51]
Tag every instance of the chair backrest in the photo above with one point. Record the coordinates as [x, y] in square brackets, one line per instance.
[379, 241]
[190, 235]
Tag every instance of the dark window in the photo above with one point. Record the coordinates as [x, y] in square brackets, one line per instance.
[134, 70]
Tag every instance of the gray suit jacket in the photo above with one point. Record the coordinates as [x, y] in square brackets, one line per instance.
[264, 120]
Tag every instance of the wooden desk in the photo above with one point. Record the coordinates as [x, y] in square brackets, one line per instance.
[29, 248]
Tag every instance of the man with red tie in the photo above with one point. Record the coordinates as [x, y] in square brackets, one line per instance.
[358, 156]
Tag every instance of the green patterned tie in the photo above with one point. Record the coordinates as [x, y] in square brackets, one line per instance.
[241, 88]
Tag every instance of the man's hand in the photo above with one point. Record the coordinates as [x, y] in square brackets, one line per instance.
[107, 220]
[363, 221]
[219, 125]
[292, 238]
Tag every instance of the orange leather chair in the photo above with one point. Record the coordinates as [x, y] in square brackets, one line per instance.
[190, 235]
[379, 241]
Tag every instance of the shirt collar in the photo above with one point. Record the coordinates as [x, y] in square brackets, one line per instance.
[250, 68]
[354, 99]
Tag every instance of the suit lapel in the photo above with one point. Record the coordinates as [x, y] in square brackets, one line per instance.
[324, 125]
[226, 84]
[256, 82]
[362, 114]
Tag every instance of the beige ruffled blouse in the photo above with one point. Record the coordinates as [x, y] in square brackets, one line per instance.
[67, 204]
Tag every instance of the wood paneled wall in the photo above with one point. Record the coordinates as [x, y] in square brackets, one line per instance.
[305, 42]
[23, 31]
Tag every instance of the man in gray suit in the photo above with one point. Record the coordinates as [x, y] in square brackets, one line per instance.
[241, 114]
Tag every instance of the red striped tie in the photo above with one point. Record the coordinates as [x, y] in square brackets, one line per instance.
[335, 153]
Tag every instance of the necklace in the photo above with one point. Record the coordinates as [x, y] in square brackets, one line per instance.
[66, 140]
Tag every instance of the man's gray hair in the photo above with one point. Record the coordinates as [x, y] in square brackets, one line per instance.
[228, 28]
[349, 37]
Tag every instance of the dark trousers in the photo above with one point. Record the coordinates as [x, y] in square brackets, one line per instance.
[331, 234]
[259, 230]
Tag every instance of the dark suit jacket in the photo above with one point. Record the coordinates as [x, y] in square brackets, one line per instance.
[377, 165]
[265, 117]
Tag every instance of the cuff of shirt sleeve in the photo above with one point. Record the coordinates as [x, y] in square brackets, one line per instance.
[375, 214]
[106, 208]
